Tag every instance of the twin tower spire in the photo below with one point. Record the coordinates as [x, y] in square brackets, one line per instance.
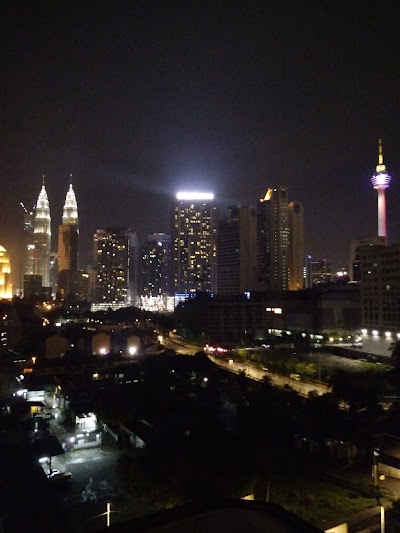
[42, 230]
[70, 210]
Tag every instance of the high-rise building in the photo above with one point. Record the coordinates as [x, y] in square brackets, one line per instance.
[355, 246]
[321, 271]
[68, 234]
[5, 274]
[112, 247]
[156, 265]
[42, 238]
[296, 246]
[54, 272]
[380, 287]
[29, 259]
[273, 240]
[70, 210]
[381, 181]
[67, 247]
[32, 285]
[236, 245]
[307, 275]
[134, 268]
[81, 285]
[194, 228]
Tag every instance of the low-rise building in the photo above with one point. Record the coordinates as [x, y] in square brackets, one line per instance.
[321, 310]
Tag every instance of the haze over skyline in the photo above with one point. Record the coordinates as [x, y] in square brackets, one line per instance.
[138, 100]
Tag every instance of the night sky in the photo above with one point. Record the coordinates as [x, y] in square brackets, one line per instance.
[140, 99]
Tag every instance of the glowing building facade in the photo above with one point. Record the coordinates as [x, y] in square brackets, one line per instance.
[194, 231]
[70, 211]
[381, 181]
[5, 275]
[112, 263]
[68, 233]
[42, 238]
[273, 240]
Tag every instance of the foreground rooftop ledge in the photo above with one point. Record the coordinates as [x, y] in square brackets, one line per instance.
[219, 515]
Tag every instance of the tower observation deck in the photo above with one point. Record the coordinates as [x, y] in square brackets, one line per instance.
[381, 181]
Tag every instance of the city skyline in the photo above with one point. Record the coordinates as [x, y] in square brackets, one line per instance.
[227, 106]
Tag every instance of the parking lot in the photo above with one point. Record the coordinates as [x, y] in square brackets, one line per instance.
[94, 482]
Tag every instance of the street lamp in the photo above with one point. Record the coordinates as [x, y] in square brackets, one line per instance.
[376, 454]
[375, 457]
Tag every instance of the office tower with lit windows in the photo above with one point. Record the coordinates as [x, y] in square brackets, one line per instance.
[273, 240]
[321, 271]
[381, 181]
[194, 243]
[156, 265]
[5, 274]
[68, 234]
[42, 238]
[355, 247]
[380, 288]
[236, 251]
[134, 268]
[307, 275]
[54, 272]
[112, 250]
[29, 259]
[296, 246]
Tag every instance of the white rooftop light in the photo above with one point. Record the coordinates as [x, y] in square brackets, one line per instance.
[195, 196]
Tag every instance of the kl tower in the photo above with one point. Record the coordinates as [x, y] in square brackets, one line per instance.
[381, 181]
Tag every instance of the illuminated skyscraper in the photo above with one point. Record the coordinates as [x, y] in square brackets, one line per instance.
[296, 246]
[381, 181]
[29, 260]
[5, 275]
[42, 238]
[194, 242]
[156, 264]
[112, 250]
[70, 211]
[68, 233]
[272, 240]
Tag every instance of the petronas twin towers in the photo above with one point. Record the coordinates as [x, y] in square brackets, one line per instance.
[42, 238]
[67, 236]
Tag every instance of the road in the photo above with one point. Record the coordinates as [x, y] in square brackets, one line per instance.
[252, 371]
[175, 343]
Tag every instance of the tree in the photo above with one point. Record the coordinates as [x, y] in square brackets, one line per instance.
[360, 390]
[291, 363]
[306, 369]
[396, 355]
